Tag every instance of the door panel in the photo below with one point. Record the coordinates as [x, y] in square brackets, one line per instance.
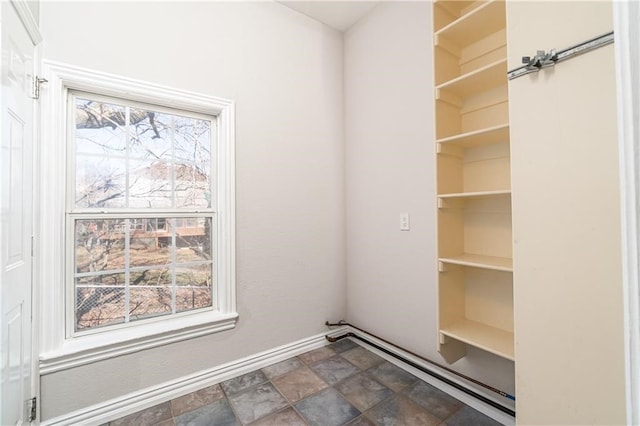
[566, 219]
[15, 252]
[16, 218]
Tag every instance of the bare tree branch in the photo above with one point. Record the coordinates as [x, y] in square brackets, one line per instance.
[98, 115]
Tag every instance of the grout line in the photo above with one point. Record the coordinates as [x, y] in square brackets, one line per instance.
[291, 404]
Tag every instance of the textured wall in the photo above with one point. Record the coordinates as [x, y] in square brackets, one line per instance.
[284, 71]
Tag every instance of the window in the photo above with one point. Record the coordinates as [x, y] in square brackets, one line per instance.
[128, 160]
[148, 234]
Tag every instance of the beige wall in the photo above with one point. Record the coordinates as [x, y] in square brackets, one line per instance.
[566, 218]
[390, 163]
[284, 71]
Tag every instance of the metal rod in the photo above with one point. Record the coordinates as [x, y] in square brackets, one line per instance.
[544, 60]
[426, 370]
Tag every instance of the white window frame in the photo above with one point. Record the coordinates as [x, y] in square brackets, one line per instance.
[59, 349]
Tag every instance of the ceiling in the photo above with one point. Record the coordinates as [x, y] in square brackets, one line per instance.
[337, 14]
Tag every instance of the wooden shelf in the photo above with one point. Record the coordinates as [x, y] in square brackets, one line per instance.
[480, 194]
[488, 136]
[477, 24]
[480, 261]
[457, 200]
[490, 339]
[454, 8]
[480, 80]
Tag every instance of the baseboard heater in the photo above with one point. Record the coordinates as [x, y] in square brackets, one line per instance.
[425, 370]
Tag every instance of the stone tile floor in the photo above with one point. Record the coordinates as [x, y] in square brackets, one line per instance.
[339, 384]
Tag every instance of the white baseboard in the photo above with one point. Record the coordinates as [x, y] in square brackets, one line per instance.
[145, 398]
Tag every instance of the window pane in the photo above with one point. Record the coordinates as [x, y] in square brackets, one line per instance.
[100, 300]
[151, 137]
[193, 162]
[100, 182]
[193, 186]
[149, 302]
[148, 247]
[150, 184]
[193, 239]
[192, 139]
[99, 245]
[151, 243]
[150, 292]
[100, 128]
[193, 287]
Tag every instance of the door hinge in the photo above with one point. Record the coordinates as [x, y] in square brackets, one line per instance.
[32, 409]
[35, 86]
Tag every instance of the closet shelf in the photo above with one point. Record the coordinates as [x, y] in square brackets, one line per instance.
[454, 8]
[480, 80]
[480, 261]
[490, 339]
[487, 136]
[479, 194]
[478, 23]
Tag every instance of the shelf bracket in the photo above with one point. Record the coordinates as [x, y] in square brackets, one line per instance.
[443, 95]
[443, 339]
[445, 149]
[447, 45]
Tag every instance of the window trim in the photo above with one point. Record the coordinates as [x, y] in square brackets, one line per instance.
[58, 352]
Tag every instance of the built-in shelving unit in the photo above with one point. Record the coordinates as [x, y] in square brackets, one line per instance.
[475, 267]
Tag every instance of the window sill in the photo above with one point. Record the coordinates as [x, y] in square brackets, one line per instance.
[84, 350]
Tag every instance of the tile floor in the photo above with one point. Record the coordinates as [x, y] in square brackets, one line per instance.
[339, 384]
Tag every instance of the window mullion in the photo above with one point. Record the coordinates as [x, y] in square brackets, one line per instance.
[174, 193]
[174, 258]
[127, 162]
[127, 239]
[127, 272]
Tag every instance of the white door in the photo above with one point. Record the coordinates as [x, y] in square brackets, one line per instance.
[16, 217]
